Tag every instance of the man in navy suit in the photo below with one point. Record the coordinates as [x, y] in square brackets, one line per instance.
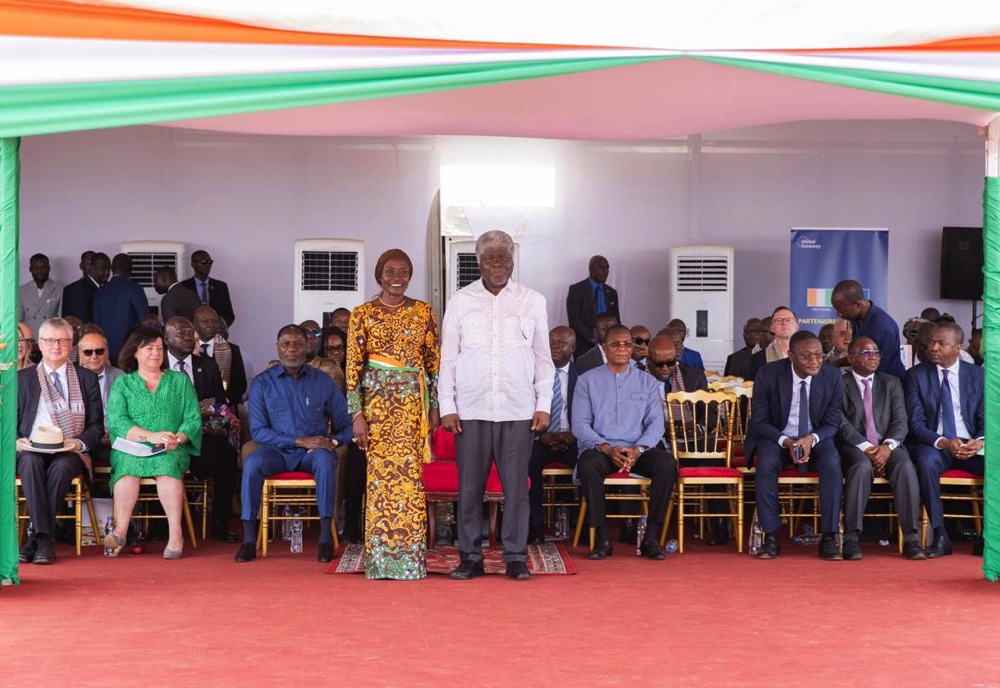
[119, 304]
[78, 297]
[868, 320]
[944, 400]
[796, 412]
[589, 298]
[211, 292]
[557, 443]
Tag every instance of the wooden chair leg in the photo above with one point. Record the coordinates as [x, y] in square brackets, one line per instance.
[78, 515]
[92, 513]
[739, 517]
[265, 519]
[579, 522]
[666, 520]
[189, 521]
[680, 517]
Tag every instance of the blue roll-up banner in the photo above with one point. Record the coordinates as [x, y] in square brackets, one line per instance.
[822, 257]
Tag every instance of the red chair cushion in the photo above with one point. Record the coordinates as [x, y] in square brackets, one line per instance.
[619, 475]
[794, 473]
[443, 445]
[739, 461]
[442, 476]
[556, 464]
[291, 475]
[958, 473]
[708, 472]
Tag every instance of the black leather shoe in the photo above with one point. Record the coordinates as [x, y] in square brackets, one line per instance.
[851, 550]
[247, 552]
[325, 553]
[26, 554]
[467, 570]
[46, 553]
[912, 549]
[650, 549]
[221, 533]
[518, 570]
[628, 534]
[828, 548]
[602, 550]
[720, 533]
[536, 535]
[770, 548]
[978, 546]
[940, 548]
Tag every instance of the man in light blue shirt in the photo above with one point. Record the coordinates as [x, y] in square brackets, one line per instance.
[618, 421]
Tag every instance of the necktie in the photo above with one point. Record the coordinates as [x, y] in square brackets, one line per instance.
[204, 292]
[948, 428]
[104, 392]
[599, 305]
[870, 434]
[803, 409]
[640, 365]
[182, 367]
[204, 349]
[555, 417]
[57, 383]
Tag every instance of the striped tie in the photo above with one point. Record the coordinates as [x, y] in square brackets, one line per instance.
[555, 417]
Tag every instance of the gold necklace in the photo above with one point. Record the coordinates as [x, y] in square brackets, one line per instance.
[390, 305]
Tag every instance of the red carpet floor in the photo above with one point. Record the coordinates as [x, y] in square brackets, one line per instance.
[704, 618]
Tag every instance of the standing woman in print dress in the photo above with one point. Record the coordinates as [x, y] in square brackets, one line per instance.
[392, 367]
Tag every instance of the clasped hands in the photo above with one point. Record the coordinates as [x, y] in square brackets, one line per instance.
[169, 440]
[557, 441]
[878, 455]
[622, 457]
[805, 443]
[962, 450]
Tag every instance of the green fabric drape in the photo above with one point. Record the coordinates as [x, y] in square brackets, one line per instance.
[984, 95]
[991, 346]
[49, 109]
[9, 177]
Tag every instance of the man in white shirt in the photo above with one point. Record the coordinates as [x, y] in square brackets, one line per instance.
[494, 391]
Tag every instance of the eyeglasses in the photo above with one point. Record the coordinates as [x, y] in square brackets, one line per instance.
[640, 341]
[818, 356]
[783, 321]
[911, 333]
[56, 342]
[661, 364]
[620, 345]
[313, 333]
[204, 261]
[93, 352]
[868, 353]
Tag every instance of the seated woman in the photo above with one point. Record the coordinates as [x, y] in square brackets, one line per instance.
[157, 407]
[25, 343]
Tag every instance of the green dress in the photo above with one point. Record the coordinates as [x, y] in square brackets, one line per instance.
[173, 407]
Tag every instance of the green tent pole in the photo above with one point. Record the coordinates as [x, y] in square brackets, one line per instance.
[9, 177]
[991, 345]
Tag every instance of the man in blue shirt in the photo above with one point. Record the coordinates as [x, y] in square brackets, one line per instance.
[618, 422]
[290, 406]
[868, 320]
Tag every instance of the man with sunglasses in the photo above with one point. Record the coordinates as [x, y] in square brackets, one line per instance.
[796, 411]
[640, 339]
[872, 431]
[211, 292]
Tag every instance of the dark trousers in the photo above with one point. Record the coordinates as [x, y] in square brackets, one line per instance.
[931, 463]
[858, 476]
[218, 462]
[541, 456]
[823, 459]
[45, 481]
[266, 461]
[508, 445]
[656, 464]
[355, 482]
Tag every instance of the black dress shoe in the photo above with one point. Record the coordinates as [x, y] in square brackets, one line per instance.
[628, 533]
[536, 535]
[770, 548]
[828, 549]
[247, 552]
[325, 553]
[720, 532]
[602, 550]
[46, 553]
[650, 549]
[851, 550]
[978, 546]
[941, 547]
[912, 549]
[518, 570]
[27, 552]
[222, 533]
[467, 570]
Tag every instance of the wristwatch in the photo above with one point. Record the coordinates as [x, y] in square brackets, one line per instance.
[642, 448]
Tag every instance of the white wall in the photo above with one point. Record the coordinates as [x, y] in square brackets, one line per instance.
[246, 199]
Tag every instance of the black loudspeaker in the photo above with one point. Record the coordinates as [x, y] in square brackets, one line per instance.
[962, 263]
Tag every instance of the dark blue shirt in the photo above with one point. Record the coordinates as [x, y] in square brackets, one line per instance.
[282, 408]
[882, 329]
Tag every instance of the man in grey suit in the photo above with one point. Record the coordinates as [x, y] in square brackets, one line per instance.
[595, 357]
[41, 298]
[94, 356]
[872, 429]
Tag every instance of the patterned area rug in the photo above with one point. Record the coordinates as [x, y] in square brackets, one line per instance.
[548, 559]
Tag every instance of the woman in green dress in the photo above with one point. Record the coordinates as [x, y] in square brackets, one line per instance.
[152, 406]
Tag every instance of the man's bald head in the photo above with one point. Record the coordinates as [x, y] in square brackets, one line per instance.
[661, 361]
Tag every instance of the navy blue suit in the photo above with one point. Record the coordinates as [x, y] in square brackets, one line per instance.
[78, 299]
[923, 405]
[771, 406]
[541, 455]
[882, 329]
[118, 307]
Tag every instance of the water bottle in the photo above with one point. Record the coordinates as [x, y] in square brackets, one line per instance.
[640, 535]
[756, 536]
[562, 523]
[286, 523]
[296, 534]
[672, 546]
[109, 528]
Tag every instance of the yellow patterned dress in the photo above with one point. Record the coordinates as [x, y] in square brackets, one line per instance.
[392, 369]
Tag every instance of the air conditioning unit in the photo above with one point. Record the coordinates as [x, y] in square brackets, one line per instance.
[328, 276]
[461, 266]
[149, 256]
[703, 297]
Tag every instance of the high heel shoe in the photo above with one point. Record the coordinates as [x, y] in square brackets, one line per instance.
[113, 542]
[173, 553]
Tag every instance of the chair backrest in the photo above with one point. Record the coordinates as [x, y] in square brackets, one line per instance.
[699, 425]
[743, 395]
[443, 445]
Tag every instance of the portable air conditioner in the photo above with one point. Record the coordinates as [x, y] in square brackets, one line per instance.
[702, 296]
[327, 277]
[149, 256]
